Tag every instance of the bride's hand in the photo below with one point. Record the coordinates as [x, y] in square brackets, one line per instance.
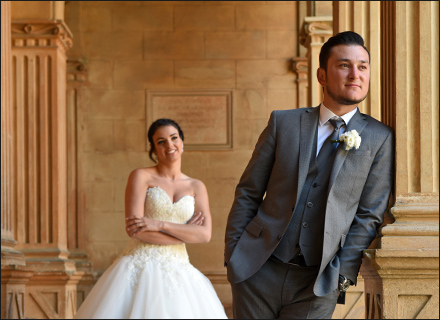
[196, 219]
[139, 224]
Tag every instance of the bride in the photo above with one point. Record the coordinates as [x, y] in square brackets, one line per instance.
[164, 209]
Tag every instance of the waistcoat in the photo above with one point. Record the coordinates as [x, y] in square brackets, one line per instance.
[305, 232]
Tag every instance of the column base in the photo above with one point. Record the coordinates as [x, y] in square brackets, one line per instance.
[10, 256]
[401, 284]
[89, 278]
[52, 295]
[14, 280]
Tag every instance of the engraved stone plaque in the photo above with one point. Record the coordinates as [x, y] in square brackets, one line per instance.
[204, 116]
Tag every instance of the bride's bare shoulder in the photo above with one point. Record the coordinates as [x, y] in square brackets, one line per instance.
[142, 173]
[197, 185]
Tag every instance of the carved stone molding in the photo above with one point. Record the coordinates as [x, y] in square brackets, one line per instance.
[428, 212]
[300, 66]
[373, 291]
[316, 30]
[41, 34]
[401, 284]
[314, 33]
[402, 276]
[76, 71]
[10, 256]
[14, 280]
[52, 295]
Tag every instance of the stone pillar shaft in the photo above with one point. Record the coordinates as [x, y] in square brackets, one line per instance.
[361, 17]
[13, 275]
[76, 77]
[6, 125]
[39, 71]
[417, 121]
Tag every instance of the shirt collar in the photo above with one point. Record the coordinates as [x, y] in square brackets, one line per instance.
[325, 114]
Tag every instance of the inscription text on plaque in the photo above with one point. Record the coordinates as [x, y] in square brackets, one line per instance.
[204, 116]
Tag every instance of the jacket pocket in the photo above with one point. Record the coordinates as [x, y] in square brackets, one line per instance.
[343, 240]
[254, 228]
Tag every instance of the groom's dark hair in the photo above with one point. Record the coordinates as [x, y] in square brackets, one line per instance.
[348, 38]
[156, 125]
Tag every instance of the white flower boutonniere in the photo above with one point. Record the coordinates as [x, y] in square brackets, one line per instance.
[351, 139]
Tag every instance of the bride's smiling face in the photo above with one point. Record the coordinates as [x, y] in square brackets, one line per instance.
[167, 143]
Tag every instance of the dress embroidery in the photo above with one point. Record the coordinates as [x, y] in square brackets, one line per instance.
[172, 259]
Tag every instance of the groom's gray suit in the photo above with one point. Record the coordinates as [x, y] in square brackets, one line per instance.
[266, 197]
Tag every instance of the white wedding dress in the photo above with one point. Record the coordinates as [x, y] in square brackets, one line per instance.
[154, 281]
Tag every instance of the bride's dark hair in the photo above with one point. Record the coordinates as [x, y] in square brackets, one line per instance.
[156, 125]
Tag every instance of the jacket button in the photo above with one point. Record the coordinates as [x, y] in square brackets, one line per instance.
[309, 204]
[315, 185]
[305, 224]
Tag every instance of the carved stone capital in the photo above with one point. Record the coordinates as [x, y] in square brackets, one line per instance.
[318, 27]
[316, 30]
[300, 65]
[33, 33]
[76, 70]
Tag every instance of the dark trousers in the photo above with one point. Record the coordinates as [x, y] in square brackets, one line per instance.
[280, 290]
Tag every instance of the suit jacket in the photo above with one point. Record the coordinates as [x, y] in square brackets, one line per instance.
[265, 198]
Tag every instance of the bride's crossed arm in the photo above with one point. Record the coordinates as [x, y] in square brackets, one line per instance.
[199, 232]
[197, 229]
[135, 192]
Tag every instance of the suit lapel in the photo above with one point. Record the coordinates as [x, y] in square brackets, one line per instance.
[309, 122]
[357, 123]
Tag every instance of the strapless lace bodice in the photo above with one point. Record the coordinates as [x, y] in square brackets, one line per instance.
[158, 206]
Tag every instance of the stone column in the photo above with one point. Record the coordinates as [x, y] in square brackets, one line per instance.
[76, 78]
[39, 81]
[363, 17]
[14, 275]
[9, 255]
[315, 32]
[403, 281]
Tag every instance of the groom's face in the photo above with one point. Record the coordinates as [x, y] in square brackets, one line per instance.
[346, 80]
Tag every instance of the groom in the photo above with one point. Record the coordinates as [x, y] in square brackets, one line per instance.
[312, 196]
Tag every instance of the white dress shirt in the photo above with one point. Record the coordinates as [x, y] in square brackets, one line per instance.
[325, 128]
